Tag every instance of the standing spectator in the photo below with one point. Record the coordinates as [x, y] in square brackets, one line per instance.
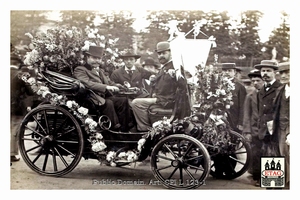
[265, 111]
[132, 74]
[20, 102]
[282, 117]
[165, 88]
[238, 97]
[250, 128]
[93, 78]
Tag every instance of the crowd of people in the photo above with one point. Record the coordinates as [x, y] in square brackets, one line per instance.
[260, 114]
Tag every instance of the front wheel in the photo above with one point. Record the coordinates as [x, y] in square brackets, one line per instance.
[50, 140]
[180, 162]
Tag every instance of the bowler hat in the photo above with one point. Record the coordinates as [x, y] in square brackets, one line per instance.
[267, 63]
[227, 65]
[95, 51]
[149, 61]
[254, 73]
[129, 53]
[162, 46]
[283, 66]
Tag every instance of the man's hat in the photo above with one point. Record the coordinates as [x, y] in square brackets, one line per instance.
[95, 51]
[267, 63]
[283, 66]
[149, 61]
[129, 53]
[162, 46]
[227, 66]
[254, 73]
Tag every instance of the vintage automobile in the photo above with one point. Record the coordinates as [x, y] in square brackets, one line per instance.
[55, 136]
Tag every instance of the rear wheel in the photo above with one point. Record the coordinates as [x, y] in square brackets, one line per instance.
[233, 160]
[50, 140]
[180, 162]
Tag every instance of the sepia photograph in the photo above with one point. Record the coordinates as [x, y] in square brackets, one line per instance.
[141, 96]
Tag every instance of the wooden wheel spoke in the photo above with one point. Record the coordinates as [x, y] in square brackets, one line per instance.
[66, 150]
[61, 157]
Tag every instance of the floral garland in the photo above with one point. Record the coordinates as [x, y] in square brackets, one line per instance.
[95, 137]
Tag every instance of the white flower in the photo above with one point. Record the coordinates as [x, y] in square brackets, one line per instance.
[102, 37]
[93, 125]
[31, 81]
[91, 35]
[83, 111]
[99, 136]
[109, 50]
[122, 154]
[110, 155]
[69, 33]
[69, 104]
[141, 143]
[88, 121]
[98, 146]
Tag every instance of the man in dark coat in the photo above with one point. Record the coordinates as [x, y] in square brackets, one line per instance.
[250, 128]
[131, 73]
[93, 78]
[236, 111]
[282, 117]
[266, 98]
[165, 88]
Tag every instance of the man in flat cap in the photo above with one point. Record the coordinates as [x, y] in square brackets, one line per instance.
[266, 97]
[281, 122]
[165, 88]
[250, 128]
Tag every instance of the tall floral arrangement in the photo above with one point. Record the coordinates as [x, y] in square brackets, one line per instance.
[213, 90]
[62, 48]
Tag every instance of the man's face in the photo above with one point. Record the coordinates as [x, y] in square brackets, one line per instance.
[267, 74]
[164, 56]
[229, 73]
[257, 82]
[285, 76]
[93, 61]
[129, 61]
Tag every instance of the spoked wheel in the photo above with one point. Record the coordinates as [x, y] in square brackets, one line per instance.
[50, 140]
[233, 161]
[180, 162]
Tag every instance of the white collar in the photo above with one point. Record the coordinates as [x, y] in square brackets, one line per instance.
[132, 68]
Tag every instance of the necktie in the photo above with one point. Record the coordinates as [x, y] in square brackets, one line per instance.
[268, 86]
[130, 72]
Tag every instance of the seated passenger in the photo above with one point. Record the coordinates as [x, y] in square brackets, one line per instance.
[116, 108]
[131, 73]
[150, 65]
[165, 87]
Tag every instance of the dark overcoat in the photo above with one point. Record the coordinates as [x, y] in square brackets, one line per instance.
[265, 108]
[136, 79]
[236, 111]
[95, 82]
[251, 114]
[167, 89]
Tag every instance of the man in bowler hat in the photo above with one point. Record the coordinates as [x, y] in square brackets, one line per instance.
[281, 124]
[236, 111]
[93, 78]
[165, 87]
